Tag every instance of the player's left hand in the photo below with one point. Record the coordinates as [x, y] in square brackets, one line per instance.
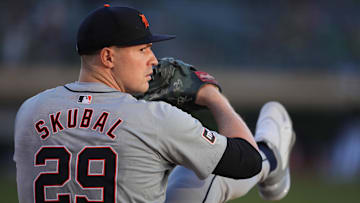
[177, 83]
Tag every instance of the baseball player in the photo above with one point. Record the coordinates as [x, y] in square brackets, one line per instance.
[117, 133]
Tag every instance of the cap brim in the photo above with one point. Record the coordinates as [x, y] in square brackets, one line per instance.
[159, 38]
[149, 39]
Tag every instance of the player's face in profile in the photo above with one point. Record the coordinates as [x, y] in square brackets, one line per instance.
[134, 67]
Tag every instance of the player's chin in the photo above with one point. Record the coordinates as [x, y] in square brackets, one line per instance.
[140, 89]
[146, 86]
[143, 88]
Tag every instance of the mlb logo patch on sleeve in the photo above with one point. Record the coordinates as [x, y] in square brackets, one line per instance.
[209, 136]
[85, 99]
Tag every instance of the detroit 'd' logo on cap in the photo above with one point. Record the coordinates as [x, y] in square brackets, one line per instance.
[144, 20]
[209, 136]
[85, 99]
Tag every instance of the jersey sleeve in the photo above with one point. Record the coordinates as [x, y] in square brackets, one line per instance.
[183, 140]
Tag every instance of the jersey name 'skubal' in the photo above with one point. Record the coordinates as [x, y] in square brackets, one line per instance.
[87, 141]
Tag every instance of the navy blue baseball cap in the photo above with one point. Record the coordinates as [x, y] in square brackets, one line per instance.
[115, 26]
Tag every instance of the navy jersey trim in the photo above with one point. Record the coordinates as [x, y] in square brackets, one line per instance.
[87, 91]
[208, 190]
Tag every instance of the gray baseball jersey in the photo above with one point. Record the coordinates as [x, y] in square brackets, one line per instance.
[88, 142]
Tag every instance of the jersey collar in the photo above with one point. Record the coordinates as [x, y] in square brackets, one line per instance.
[89, 87]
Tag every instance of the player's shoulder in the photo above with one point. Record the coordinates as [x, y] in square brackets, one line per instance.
[39, 97]
[164, 113]
[160, 108]
[30, 107]
[36, 97]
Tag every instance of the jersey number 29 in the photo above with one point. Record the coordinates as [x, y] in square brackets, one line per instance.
[105, 180]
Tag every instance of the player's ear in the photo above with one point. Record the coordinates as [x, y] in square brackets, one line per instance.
[107, 57]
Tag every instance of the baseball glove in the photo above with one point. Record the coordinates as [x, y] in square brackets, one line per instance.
[177, 83]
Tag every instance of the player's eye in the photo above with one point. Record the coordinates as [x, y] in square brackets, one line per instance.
[148, 46]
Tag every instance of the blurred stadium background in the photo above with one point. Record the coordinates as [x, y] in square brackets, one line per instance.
[305, 54]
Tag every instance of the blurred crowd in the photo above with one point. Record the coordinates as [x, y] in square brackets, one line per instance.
[319, 35]
[344, 154]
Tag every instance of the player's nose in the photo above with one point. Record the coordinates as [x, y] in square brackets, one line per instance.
[153, 60]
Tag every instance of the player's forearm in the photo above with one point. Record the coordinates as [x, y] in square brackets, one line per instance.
[229, 122]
